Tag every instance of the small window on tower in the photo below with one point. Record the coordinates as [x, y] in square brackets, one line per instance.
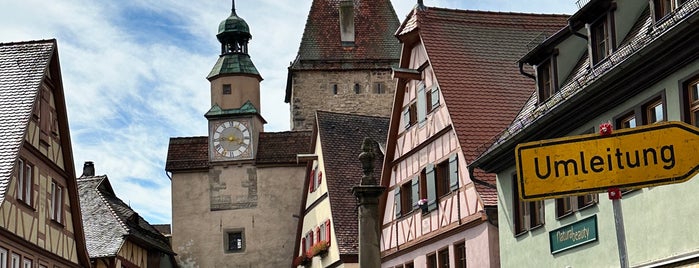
[379, 88]
[357, 89]
[226, 89]
[234, 241]
[334, 89]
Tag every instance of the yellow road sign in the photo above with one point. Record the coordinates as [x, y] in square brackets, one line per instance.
[657, 154]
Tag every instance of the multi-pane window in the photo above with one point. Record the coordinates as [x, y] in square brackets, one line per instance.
[460, 255]
[432, 261]
[443, 258]
[442, 178]
[56, 207]
[601, 41]
[15, 261]
[545, 77]
[691, 97]
[662, 8]
[410, 115]
[3, 258]
[406, 197]
[27, 263]
[234, 241]
[439, 180]
[649, 112]
[567, 205]
[25, 181]
[527, 215]
[379, 88]
[654, 112]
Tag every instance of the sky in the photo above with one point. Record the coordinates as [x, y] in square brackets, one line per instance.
[134, 73]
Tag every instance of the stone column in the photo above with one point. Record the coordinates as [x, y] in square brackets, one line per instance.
[367, 193]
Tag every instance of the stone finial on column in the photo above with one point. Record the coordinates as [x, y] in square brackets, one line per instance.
[367, 159]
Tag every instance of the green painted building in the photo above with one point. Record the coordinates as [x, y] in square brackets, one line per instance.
[626, 62]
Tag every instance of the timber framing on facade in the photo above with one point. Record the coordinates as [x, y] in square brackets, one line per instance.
[458, 85]
[40, 221]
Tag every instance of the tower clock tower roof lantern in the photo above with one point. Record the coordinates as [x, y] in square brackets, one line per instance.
[233, 27]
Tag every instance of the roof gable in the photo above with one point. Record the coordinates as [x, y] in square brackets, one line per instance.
[474, 58]
[341, 137]
[22, 68]
[109, 222]
[375, 22]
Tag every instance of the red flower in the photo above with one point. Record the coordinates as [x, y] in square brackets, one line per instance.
[605, 129]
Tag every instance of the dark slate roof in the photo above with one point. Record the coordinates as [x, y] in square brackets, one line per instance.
[108, 222]
[375, 23]
[642, 35]
[22, 68]
[282, 147]
[187, 153]
[341, 137]
[191, 153]
[234, 63]
[474, 57]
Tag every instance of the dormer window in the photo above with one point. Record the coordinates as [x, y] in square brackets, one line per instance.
[546, 79]
[662, 8]
[602, 41]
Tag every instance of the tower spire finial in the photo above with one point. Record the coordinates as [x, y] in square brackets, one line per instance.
[233, 7]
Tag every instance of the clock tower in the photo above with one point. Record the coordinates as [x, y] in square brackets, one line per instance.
[234, 118]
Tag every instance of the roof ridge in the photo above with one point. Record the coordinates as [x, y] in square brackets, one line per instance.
[352, 114]
[37, 41]
[500, 12]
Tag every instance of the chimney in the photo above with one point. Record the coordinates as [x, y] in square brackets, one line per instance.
[347, 22]
[88, 169]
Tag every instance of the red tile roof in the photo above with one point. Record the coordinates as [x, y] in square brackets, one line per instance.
[375, 23]
[474, 57]
[341, 137]
[282, 147]
[191, 153]
[188, 153]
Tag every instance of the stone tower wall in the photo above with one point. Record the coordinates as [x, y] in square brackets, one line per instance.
[313, 90]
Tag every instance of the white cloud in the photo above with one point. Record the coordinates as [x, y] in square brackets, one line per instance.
[133, 82]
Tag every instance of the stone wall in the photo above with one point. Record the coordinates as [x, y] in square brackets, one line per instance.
[315, 90]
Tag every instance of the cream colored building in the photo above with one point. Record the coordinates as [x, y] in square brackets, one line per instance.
[40, 222]
[235, 191]
[329, 214]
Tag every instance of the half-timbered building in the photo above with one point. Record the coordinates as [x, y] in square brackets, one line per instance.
[40, 222]
[458, 85]
[328, 229]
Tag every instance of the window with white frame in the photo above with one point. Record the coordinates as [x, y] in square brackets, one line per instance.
[27, 263]
[15, 261]
[24, 181]
[56, 206]
[3, 257]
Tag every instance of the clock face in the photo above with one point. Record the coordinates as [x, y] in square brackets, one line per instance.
[231, 139]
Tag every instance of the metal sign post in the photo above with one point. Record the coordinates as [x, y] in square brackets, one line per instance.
[615, 196]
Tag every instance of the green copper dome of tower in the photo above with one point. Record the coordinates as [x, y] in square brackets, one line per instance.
[234, 35]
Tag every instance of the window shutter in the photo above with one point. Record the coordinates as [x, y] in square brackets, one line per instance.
[312, 180]
[453, 172]
[327, 231]
[421, 103]
[431, 188]
[303, 245]
[406, 117]
[318, 238]
[435, 97]
[311, 242]
[416, 191]
[320, 177]
[396, 200]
